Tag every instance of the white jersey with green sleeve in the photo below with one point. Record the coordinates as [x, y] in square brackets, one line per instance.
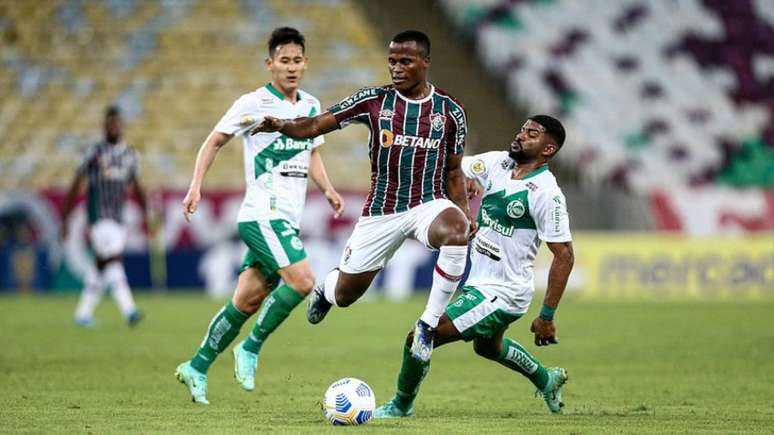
[276, 166]
[515, 216]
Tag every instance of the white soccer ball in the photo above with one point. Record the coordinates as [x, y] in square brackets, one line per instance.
[349, 401]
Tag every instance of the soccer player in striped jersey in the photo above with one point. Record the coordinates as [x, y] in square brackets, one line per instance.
[522, 205]
[276, 171]
[109, 167]
[417, 185]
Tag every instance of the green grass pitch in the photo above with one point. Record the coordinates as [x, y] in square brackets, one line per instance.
[635, 367]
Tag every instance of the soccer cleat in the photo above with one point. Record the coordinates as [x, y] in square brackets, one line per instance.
[317, 306]
[422, 345]
[134, 318]
[194, 380]
[85, 322]
[552, 393]
[245, 364]
[391, 410]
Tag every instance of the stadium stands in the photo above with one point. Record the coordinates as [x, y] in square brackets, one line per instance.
[656, 94]
[174, 67]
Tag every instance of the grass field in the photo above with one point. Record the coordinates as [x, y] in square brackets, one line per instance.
[636, 367]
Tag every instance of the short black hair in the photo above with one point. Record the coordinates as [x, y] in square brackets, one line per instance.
[553, 127]
[423, 42]
[112, 110]
[285, 35]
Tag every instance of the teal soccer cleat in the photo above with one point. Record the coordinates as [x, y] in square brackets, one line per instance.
[194, 380]
[390, 410]
[245, 364]
[552, 393]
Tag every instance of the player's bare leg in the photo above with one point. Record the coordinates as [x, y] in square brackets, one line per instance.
[298, 281]
[338, 288]
[449, 234]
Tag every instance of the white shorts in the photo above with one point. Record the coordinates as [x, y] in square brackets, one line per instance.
[108, 238]
[376, 238]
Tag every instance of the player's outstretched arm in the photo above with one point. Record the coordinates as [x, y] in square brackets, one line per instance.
[204, 159]
[298, 128]
[561, 266]
[320, 177]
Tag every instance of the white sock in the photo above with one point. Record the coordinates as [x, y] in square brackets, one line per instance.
[329, 285]
[93, 287]
[447, 275]
[116, 278]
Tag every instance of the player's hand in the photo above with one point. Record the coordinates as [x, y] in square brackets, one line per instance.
[268, 125]
[336, 202]
[474, 189]
[545, 332]
[190, 202]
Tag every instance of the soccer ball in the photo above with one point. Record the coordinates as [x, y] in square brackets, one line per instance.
[349, 401]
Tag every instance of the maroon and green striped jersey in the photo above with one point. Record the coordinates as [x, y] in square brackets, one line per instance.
[410, 141]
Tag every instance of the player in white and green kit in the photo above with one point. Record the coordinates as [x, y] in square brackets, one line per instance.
[522, 205]
[276, 171]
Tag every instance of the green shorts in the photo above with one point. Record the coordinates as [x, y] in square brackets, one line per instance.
[273, 244]
[476, 316]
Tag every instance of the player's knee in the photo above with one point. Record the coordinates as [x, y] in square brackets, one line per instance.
[485, 349]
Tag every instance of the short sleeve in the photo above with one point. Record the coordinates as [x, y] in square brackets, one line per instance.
[479, 166]
[551, 218]
[356, 107]
[240, 117]
[459, 128]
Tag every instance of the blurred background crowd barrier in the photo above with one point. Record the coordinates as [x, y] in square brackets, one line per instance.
[669, 106]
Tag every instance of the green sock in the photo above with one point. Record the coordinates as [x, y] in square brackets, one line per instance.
[223, 329]
[275, 310]
[412, 371]
[515, 357]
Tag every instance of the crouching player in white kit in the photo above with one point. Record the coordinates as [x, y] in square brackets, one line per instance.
[276, 169]
[521, 205]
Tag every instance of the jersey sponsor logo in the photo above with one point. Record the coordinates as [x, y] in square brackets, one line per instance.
[486, 247]
[506, 230]
[437, 120]
[507, 164]
[386, 114]
[288, 143]
[515, 209]
[246, 120]
[295, 242]
[478, 167]
[294, 169]
[388, 138]
[531, 186]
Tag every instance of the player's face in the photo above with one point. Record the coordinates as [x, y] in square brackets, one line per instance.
[287, 66]
[113, 127]
[408, 68]
[531, 142]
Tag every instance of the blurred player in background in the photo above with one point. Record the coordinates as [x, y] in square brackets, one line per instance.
[417, 191]
[522, 205]
[109, 167]
[276, 170]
